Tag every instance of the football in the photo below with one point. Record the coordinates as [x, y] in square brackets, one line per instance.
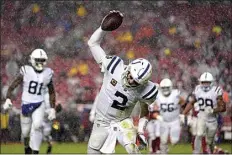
[112, 21]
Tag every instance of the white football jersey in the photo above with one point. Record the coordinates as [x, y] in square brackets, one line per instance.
[206, 99]
[34, 83]
[115, 102]
[169, 106]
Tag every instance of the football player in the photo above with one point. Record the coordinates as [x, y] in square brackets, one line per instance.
[207, 100]
[169, 101]
[153, 129]
[123, 86]
[35, 79]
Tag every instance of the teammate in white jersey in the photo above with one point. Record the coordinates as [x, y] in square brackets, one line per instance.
[123, 86]
[207, 99]
[169, 101]
[35, 79]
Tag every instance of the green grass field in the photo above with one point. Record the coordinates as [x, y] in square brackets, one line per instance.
[80, 148]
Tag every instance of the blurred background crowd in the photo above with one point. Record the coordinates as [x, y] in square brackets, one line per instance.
[182, 39]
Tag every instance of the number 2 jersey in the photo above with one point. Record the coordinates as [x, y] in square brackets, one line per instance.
[35, 83]
[115, 102]
[207, 99]
[169, 106]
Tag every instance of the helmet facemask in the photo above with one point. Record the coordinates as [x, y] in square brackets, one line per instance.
[166, 86]
[166, 91]
[38, 63]
[128, 80]
[206, 85]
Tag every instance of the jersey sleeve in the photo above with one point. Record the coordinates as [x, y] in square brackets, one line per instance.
[49, 74]
[22, 70]
[150, 93]
[110, 64]
[219, 91]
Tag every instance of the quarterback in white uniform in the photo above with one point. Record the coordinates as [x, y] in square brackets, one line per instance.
[207, 100]
[123, 86]
[169, 102]
[35, 79]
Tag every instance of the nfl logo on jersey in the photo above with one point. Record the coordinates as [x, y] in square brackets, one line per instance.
[113, 82]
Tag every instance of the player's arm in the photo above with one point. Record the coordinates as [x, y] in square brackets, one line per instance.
[181, 101]
[143, 124]
[94, 45]
[190, 105]
[96, 38]
[18, 80]
[52, 94]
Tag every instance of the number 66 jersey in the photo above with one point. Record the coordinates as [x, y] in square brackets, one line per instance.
[34, 83]
[116, 101]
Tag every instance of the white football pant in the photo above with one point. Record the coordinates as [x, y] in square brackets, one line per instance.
[104, 136]
[171, 129]
[32, 126]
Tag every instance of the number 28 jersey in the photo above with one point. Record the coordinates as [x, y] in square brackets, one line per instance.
[207, 99]
[169, 106]
[116, 102]
[35, 83]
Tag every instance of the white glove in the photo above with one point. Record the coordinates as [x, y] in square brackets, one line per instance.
[52, 114]
[196, 106]
[91, 117]
[208, 110]
[7, 105]
[160, 118]
[182, 118]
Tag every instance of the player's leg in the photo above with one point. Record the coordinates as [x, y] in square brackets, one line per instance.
[25, 129]
[127, 136]
[47, 128]
[97, 138]
[175, 132]
[157, 135]
[151, 136]
[193, 129]
[164, 132]
[204, 146]
[200, 133]
[36, 135]
[211, 131]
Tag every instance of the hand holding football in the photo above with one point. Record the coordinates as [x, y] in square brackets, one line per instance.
[112, 21]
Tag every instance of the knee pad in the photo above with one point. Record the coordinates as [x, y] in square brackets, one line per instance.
[37, 125]
[25, 129]
[131, 148]
[96, 141]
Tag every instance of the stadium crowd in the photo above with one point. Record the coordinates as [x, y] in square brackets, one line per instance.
[181, 39]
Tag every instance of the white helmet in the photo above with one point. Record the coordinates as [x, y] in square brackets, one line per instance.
[139, 71]
[206, 81]
[38, 59]
[166, 86]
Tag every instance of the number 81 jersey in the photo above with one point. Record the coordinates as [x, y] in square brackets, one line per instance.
[35, 83]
